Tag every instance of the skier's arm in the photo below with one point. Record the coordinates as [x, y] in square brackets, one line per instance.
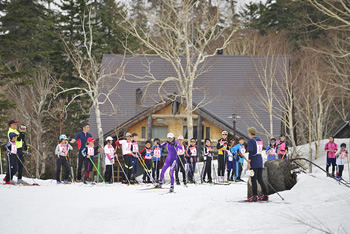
[163, 145]
[58, 150]
[21, 136]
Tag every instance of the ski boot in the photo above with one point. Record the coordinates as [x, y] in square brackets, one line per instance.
[59, 182]
[9, 183]
[158, 185]
[263, 198]
[124, 182]
[177, 182]
[252, 199]
[171, 190]
[20, 181]
[185, 183]
[66, 182]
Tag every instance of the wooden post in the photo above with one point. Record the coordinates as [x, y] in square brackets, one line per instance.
[199, 135]
[149, 127]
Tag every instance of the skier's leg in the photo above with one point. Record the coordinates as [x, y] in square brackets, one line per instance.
[164, 168]
[20, 166]
[261, 181]
[66, 167]
[254, 184]
[58, 168]
[171, 172]
[208, 166]
[80, 164]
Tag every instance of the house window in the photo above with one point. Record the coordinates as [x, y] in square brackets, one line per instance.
[143, 132]
[207, 132]
[194, 132]
[159, 131]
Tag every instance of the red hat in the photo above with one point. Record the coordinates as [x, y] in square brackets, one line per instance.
[13, 122]
[91, 139]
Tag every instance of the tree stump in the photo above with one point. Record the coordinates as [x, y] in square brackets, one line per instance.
[277, 174]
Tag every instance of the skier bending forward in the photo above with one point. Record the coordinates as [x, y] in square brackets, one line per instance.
[170, 161]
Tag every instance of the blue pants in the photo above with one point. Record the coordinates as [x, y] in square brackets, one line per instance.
[192, 167]
[271, 157]
[230, 164]
[135, 163]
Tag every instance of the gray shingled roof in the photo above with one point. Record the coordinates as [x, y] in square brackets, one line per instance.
[228, 82]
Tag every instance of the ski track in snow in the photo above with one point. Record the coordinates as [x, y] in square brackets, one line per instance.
[77, 208]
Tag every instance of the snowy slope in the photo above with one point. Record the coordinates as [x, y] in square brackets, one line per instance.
[50, 208]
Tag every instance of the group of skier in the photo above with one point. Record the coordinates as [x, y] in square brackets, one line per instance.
[335, 158]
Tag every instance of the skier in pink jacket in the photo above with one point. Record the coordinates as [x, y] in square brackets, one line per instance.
[331, 148]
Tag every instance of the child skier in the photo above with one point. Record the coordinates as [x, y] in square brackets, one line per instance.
[89, 152]
[191, 159]
[180, 166]
[146, 154]
[282, 147]
[135, 158]
[11, 158]
[127, 149]
[170, 161]
[222, 146]
[109, 160]
[208, 156]
[271, 150]
[61, 151]
[238, 152]
[157, 153]
[341, 155]
[331, 148]
[231, 162]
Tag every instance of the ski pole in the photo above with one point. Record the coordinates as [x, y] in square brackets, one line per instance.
[27, 170]
[275, 190]
[123, 170]
[97, 170]
[143, 164]
[72, 171]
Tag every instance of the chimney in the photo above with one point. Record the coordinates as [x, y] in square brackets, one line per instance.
[138, 106]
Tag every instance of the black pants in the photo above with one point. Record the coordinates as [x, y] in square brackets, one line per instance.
[128, 166]
[207, 169]
[108, 173]
[80, 164]
[240, 168]
[155, 170]
[20, 163]
[221, 165]
[11, 166]
[62, 161]
[340, 170]
[148, 170]
[180, 166]
[258, 176]
[88, 166]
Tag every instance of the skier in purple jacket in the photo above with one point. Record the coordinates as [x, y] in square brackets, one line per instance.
[170, 161]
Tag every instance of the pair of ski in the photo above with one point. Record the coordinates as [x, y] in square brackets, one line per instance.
[153, 188]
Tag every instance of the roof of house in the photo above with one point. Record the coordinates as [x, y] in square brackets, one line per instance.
[226, 84]
[343, 131]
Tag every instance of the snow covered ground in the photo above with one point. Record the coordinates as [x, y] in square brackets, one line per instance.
[315, 201]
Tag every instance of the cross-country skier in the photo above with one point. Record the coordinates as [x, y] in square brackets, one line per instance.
[208, 156]
[222, 146]
[11, 158]
[191, 159]
[89, 153]
[127, 149]
[238, 152]
[255, 162]
[282, 147]
[180, 166]
[341, 155]
[271, 150]
[170, 161]
[331, 148]
[157, 154]
[146, 154]
[230, 161]
[61, 151]
[110, 159]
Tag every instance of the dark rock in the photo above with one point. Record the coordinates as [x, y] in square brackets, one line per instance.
[277, 176]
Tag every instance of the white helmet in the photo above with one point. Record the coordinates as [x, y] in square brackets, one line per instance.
[109, 138]
[180, 137]
[170, 135]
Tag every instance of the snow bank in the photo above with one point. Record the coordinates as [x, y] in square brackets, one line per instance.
[315, 201]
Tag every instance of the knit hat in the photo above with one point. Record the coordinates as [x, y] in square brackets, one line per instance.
[252, 130]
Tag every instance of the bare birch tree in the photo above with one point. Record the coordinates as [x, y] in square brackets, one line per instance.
[185, 34]
[92, 75]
